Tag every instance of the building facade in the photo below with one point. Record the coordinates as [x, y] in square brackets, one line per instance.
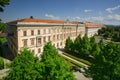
[35, 33]
[92, 28]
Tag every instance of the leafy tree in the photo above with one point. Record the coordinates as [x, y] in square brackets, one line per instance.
[77, 44]
[55, 67]
[86, 47]
[23, 67]
[1, 63]
[3, 3]
[2, 27]
[68, 44]
[106, 65]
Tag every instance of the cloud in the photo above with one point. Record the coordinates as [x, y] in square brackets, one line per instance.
[51, 16]
[110, 10]
[114, 17]
[77, 18]
[87, 10]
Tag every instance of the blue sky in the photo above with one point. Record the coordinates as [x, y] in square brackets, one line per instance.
[100, 11]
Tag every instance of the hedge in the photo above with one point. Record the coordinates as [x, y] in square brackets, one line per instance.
[78, 59]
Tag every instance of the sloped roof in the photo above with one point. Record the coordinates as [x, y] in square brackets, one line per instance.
[92, 25]
[42, 21]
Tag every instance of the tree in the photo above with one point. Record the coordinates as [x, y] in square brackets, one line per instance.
[3, 3]
[86, 47]
[68, 44]
[55, 67]
[106, 65]
[2, 27]
[23, 67]
[77, 44]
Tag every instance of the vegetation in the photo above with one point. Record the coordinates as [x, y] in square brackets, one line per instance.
[3, 3]
[78, 59]
[50, 66]
[23, 67]
[110, 32]
[1, 63]
[81, 47]
[55, 67]
[106, 65]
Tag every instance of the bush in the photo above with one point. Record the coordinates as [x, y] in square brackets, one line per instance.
[78, 59]
[1, 63]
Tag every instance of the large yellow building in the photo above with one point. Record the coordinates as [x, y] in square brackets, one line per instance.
[34, 33]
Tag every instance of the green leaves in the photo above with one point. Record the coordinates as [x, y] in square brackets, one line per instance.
[107, 62]
[55, 67]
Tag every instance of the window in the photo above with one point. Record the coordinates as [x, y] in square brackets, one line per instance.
[53, 37]
[25, 42]
[24, 33]
[32, 32]
[38, 31]
[39, 40]
[48, 38]
[32, 41]
[57, 36]
[33, 51]
[44, 39]
[39, 50]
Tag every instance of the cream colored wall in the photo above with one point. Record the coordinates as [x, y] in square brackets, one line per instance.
[65, 31]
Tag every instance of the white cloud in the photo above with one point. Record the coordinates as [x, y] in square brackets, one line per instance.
[76, 18]
[114, 17]
[87, 10]
[51, 16]
[110, 10]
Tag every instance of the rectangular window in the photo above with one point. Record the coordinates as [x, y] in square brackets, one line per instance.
[25, 42]
[39, 41]
[44, 39]
[24, 33]
[48, 38]
[32, 41]
[53, 37]
[38, 32]
[39, 50]
[33, 51]
[32, 32]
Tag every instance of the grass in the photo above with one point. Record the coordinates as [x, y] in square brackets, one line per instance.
[78, 59]
[72, 63]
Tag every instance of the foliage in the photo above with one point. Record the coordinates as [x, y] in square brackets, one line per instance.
[68, 44]
[106, 65]
[81, 47]
[2, 27]
[55, 67]
[23, 67]
[1, 63]
[3, 3]
[78, 59]
[111, 32]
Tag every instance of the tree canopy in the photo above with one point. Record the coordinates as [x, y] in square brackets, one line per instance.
[3, 3]
[106, 65]
[55, 67]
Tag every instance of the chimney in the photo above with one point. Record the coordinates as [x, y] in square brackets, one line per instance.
[31, 17]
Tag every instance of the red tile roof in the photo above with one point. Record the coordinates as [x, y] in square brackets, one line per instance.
[42, 21]
[92, 25]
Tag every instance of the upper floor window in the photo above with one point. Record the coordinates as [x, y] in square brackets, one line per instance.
[38, 32]
[24, 42]
[39, 41]
[32, 32]
[24, 33]
[39, 50]
[32, 41]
